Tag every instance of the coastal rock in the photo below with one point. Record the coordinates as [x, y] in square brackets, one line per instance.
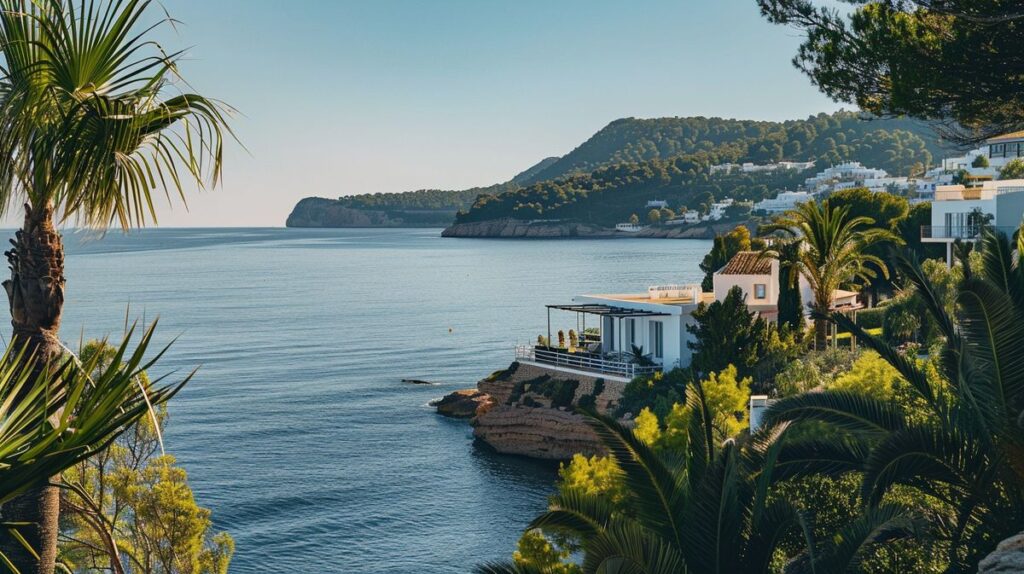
[697, 231]
[514, 228]
[464, 404]
[1008, 557]
[322, 212]
[536, 432]
[531, 411]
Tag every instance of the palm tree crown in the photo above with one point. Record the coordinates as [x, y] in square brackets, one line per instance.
[960, 443]
[90, 120]
[832, 253]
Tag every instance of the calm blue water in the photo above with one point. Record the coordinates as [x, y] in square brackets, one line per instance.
[297, 431]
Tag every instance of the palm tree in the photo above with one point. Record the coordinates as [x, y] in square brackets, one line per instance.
[706, 510]
[54, 419]
[91, 127]
[963, 446]
[832, 253]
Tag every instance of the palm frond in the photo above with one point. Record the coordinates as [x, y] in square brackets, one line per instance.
[850, 411]
[655, 495]
[91, 119]
[70, 412]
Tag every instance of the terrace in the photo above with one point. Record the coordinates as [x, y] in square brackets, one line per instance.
[598, 351]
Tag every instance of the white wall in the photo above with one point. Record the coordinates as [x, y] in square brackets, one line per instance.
[723, 283]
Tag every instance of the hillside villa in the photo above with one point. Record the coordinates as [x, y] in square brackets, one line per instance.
[960, 211]
[611, 325]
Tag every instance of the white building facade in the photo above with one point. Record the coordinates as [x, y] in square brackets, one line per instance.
[959, 212]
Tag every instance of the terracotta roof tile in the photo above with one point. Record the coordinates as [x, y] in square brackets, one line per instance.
[748, 263]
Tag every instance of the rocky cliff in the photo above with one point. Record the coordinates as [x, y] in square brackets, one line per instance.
[514, 228]
[321, 212]
[530, 411]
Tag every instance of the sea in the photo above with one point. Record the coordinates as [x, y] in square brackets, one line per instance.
[297, 431]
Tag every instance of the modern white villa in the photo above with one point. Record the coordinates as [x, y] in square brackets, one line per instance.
[784, 201]
[608, 327]
[959, 211]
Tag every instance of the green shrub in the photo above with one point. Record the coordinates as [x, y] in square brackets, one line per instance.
[871, 318]
[657, 392]
[587, 402]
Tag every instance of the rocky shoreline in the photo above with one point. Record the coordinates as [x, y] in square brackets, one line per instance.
[530, 411]
[518, 229]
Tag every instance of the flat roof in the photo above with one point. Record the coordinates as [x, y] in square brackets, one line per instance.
[607, 310]
[1012, 136]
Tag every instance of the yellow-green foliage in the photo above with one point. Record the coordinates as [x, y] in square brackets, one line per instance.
[592, 475]
[870, 375]
[727, 400]
[536, 552]
[646, 427]
[134, 497]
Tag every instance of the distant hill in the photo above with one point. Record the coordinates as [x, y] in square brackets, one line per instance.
[613, 173]
[526, 176]
[825, 137]
[621, 184]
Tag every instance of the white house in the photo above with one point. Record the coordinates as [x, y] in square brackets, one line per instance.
[717, 210]
[999, 151]
[724, 168]
[629, 227]
[784, 201]
[758, 277]
[958, 211]
[842, 176]
[657, 204]
[655, 322]
[691, 216]
[1003, 149]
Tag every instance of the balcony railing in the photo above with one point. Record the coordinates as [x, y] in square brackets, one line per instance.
[961, 231]
[950, 232]
[583, 361]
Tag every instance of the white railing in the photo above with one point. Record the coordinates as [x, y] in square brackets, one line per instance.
[689, 290]
[584, 362]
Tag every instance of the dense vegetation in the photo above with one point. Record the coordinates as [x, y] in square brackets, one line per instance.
[887, 143]
[437, 199]
[871, 460]
[632, 161]
[96, 123]
[915, 57]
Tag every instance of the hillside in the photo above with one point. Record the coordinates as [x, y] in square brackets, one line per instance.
[611, 193]
[613, 173]
[831, 138]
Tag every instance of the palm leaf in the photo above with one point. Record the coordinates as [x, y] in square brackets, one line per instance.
[656, 497]
[853, 412]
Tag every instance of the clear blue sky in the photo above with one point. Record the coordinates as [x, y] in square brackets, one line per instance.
[341, 97]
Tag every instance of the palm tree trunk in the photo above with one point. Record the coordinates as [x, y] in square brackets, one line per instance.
[36, 295]
[820, 327]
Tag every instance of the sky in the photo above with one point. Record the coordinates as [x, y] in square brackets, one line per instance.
[339, 97]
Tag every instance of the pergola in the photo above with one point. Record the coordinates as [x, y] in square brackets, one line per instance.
[612, 311]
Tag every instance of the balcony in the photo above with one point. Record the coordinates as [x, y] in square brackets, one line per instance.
[594, 364]
[950, 232]
[965, 232]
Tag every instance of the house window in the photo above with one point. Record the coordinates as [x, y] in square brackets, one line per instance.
[997, 150]
[658, 339]
[631, 331]
[760, 291]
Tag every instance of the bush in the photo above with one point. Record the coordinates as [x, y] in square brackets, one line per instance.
[870, 318]
[657, 392]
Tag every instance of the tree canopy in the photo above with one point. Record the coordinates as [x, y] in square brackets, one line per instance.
[954, 61]
[605, 188]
